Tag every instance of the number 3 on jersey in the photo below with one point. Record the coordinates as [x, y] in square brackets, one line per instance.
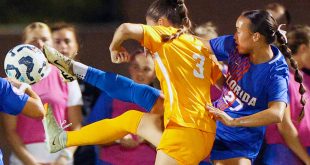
[201, 60]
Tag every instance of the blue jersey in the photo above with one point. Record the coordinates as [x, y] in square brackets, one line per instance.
[12, 101]
[248, 89]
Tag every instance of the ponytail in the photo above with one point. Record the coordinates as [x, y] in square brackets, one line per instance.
[286, 51]
[175, 11]
[185, 21]
[167, 38]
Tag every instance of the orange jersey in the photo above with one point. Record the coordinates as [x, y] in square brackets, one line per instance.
[186, 72]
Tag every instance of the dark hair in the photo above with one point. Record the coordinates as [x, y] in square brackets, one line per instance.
[287, 17]
[298, 35]
[63, 25]
[263, 23]
[175, 11]
[70, 27]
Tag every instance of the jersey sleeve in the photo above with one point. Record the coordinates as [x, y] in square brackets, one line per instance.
[12, 100]
[152, 37]
[222, 46]
[277, 88]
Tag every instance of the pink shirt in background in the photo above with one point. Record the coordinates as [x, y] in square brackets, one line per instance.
[272, 134]
[215, 92]
[52, 90]
[116, 154]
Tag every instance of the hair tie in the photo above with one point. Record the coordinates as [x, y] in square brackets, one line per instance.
[282, 32]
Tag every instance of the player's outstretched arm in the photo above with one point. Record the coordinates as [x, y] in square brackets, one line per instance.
[33, 107]
[124, 32]
[274, 114]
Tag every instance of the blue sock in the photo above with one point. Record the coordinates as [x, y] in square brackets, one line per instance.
[123, 88]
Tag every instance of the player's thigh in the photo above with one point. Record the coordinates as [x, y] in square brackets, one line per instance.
[151, 128]
[186, 145]
[233, 161]
[163, 159]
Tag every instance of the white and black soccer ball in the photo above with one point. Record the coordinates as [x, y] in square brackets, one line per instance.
[26, 63]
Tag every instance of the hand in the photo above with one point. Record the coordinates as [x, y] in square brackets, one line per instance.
[221, 116]
[307, 161]
[61, 160]
[129, 142]
[33, 162]
[119, 56]
[14, 82]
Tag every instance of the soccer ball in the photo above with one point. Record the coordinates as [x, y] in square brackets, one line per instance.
[26, 63]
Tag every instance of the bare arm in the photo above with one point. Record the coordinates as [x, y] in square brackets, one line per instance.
[274, 114]
[124, 32]
[290, 135]
[34, 107]
[208, 46]
[15, 141]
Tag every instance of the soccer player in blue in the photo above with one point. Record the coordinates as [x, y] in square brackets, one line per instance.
[19, 98]
[255, 92]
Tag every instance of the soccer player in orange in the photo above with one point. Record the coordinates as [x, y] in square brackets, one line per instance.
[185, 70]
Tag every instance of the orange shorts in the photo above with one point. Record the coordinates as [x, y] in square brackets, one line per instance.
[186, 145]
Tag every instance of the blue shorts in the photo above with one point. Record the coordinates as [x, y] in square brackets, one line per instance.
[234, 142]
[221, 151]
[280, 154]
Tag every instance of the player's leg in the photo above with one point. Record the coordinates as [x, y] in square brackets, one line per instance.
[151, 128]
[104, 131]
[178, 147]
[117, 86]
[163, 159]
[108, 130]
[233, 161]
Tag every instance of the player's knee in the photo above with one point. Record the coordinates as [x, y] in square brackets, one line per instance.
[131, 120]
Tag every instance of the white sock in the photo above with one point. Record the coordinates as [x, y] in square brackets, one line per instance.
[79, 69]
[63, 139]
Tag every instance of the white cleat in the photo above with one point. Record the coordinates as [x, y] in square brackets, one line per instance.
[63, 63]
[55, 135]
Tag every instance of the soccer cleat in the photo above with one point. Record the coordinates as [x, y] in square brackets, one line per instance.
[54, 134]
[63, 63]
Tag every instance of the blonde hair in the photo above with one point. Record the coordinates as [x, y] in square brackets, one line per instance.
[32, 27]
[207, 31]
